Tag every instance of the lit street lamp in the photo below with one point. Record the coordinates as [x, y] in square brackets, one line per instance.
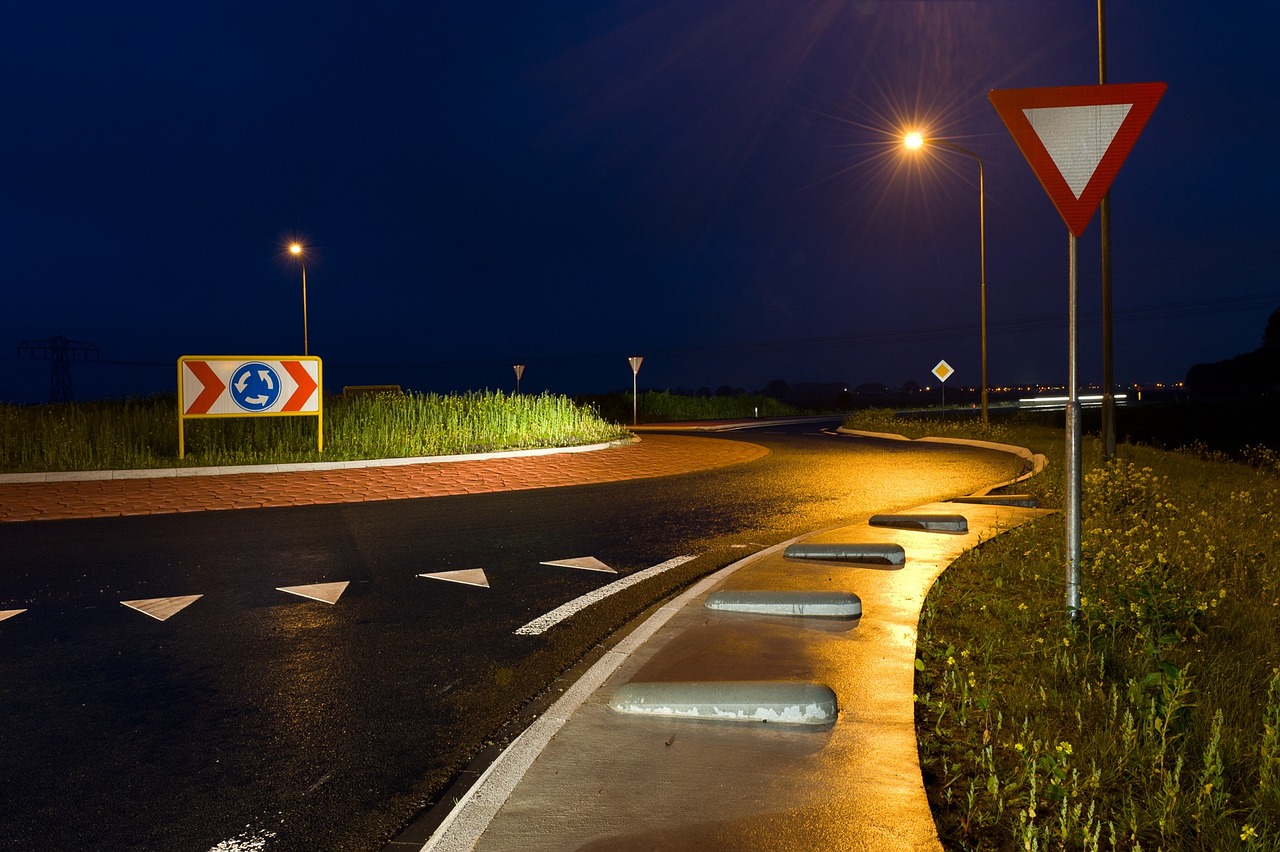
[295, 249]
[914, 141]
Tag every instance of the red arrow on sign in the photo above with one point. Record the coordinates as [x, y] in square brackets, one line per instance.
[306, 385]
[213, 387]
[1076, 137]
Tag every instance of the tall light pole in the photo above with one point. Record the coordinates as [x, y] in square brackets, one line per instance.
[295, 249]
[914, 141]
[1108, 364]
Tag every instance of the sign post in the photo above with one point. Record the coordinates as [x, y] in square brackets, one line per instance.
[636, 361]
[943, 372]
[249, 386]
[519, 368]
[1075, 138]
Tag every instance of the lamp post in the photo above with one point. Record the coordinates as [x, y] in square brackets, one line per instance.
[295, 249]
[914, 141]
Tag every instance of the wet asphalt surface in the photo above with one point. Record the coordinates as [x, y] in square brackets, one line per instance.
[255, 719]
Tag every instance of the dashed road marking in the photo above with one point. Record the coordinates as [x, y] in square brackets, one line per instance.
[544, 623]
[469, 577]
[323, 592]
[585, 563]
[162, 609]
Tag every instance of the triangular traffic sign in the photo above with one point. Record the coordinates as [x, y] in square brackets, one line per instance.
[1075, 138]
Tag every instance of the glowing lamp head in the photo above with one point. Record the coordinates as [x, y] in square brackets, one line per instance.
[295, 249]
[913, 140]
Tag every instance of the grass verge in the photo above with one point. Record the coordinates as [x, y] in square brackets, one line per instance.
[1153, 722]
[143, 433]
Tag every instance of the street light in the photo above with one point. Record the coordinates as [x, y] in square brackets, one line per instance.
[913, 142]
[295, 249]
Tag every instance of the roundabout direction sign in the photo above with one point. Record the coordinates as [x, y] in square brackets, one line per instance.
[249, 386]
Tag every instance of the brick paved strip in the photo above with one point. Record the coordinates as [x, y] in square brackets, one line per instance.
[655, 455]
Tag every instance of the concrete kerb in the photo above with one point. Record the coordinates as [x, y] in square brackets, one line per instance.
[731, 425]
[780, 702]
[799, 604]
[173, 472]
[1033, 463]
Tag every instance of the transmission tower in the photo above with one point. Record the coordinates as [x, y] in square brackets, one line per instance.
[59, 352]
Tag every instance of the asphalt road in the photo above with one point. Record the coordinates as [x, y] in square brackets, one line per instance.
[257, 719]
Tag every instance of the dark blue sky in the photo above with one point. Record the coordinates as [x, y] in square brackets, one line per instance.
[713, 184]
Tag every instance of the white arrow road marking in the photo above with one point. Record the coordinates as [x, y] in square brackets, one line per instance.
[323, 592]
[544, 623]
[585, 563]
[10, 613]
[470, 577]
[162, 609]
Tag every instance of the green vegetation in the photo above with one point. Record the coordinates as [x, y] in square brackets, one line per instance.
[143, 433]
[666, 407]
[1153, 722]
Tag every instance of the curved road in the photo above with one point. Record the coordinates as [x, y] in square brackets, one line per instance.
[258, 719]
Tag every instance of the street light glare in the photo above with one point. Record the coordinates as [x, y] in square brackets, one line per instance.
[913, 140]
[295, 249]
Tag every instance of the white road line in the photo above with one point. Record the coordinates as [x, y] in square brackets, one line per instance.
[544, 623]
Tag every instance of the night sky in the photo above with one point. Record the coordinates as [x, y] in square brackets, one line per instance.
[717, 185]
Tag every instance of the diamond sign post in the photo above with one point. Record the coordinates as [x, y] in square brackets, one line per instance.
[943, 372]
[1075, 139]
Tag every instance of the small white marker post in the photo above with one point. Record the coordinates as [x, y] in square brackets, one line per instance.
[636, 361]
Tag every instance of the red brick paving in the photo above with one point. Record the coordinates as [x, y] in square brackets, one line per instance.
[655, 455]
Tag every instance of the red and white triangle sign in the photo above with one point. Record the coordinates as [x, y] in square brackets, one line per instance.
[1076, 137]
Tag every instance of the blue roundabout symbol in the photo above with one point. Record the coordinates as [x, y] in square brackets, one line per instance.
[255, 386]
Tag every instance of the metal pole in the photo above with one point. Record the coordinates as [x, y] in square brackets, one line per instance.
[635, 418]
[982, 238]
[1108, 365]
[306, 344]
[1073, 448]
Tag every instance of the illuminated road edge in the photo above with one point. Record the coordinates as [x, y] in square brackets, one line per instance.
[544, 623]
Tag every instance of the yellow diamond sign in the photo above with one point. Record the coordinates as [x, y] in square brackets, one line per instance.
[943, 371]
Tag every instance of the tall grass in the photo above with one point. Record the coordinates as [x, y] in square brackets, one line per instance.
[143, 433]
[1153, 722]
[666, 407]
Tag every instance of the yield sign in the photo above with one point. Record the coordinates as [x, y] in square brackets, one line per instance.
[1076, 137]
